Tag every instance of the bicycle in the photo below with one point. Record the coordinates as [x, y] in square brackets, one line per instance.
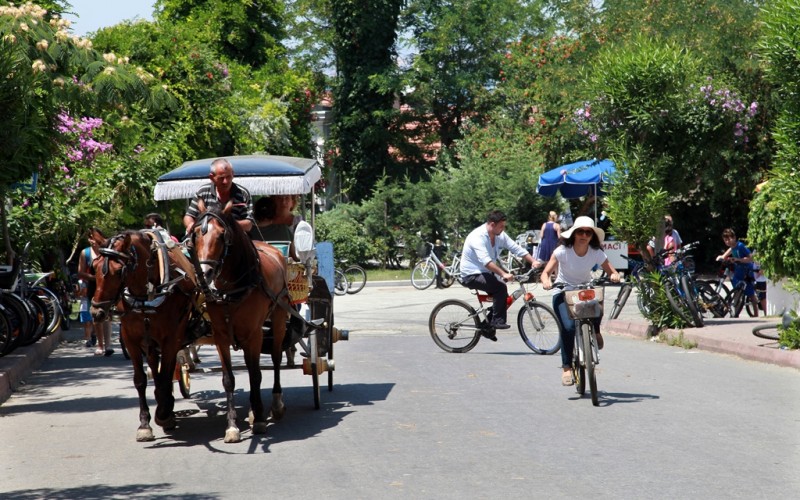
[340, 283]
[734, 300]
[772, 331]
[426, 271]
[355, 276]
[634, 279]
[456, 326]
[584, 305]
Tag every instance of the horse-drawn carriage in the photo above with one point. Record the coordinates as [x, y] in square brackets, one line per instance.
[221, 289]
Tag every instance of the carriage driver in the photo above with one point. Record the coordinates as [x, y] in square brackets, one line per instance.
[220, 191]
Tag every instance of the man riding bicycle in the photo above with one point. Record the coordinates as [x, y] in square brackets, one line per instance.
[479, 268]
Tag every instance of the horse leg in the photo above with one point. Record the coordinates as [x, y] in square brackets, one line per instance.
[252, 355]
[145, 432]
[165, 399]
[279, 317]
[232, 434]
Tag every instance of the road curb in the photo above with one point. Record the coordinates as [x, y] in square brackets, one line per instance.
[704, 342]
[16, 366]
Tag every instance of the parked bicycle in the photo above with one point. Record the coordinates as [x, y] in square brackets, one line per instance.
[456, 326]
[429, 270]
[355, 277]
[722, 301]
[585, 305]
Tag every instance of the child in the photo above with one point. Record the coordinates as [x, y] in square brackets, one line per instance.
[85, 317]
[741, 256]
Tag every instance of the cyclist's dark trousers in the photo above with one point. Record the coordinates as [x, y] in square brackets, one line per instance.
[568, 329]
[488, 282]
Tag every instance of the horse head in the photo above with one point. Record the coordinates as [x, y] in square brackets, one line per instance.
[120, 257]
[211, 239]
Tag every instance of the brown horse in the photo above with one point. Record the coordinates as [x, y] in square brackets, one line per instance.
[156, 289]
[244, 283]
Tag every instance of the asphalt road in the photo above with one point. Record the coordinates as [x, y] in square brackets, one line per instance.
[407, 420]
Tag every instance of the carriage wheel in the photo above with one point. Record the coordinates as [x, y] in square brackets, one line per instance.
[315, 383]
[184, 382]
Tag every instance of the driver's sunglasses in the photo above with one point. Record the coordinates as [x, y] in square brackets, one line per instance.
[585, 232]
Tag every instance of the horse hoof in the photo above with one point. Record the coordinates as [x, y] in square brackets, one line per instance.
[232, 435]
[277, 412]
[259, 427]
[145, 434]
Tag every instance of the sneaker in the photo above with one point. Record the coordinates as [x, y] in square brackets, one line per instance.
[98, 352]
[500, 325]
[94, 340]
[88, 343]
[109, 352]
[599, 340]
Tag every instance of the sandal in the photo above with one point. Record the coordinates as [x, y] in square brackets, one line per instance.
[566, 378]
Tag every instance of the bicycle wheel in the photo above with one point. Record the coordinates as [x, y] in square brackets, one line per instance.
[737, 301]
[423, 275]
[356, 279]
[5, 332]
[589, 357]
[768, 331]
[539, 328]
[39, 319]
[340, 284]
[710, 303]
[578, 370]
[619, 302]
[677, 303]
[644, 299]
[691, 301]
[751, 309]
[454, 326]
[19, 317]
[53, 307]
[448, 279]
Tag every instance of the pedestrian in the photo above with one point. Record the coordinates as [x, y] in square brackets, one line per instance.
[479, 268]
[743, 270]
[219, 192]
[156, 222]
[84, 316]
[102, 329]
[581, 251]
[548, 237]
[761, 287]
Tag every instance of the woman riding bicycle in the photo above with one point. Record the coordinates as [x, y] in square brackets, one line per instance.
[579, 252]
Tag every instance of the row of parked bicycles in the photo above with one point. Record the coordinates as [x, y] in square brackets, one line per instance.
[691, 299]
[29, 308]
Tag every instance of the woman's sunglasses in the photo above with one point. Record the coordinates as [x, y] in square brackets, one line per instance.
[585, 232]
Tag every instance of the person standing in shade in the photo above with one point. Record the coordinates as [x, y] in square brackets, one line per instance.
[548, 237]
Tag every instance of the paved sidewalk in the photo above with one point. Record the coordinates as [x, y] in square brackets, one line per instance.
[732, 336]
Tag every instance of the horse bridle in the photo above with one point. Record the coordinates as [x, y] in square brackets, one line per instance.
[128, 261]
[215, 265]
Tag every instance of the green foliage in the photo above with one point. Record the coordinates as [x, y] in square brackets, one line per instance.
[636, 202]
[789, 337]
[774, 223]
[341, 226]
[660, 313]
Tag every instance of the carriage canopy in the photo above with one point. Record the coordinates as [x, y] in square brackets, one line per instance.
[260, 174]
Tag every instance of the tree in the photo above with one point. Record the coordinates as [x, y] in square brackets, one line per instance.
[774, 223]
[51, 71]
[365, 34]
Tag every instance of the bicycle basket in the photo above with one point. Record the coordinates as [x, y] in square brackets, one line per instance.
[584, 304]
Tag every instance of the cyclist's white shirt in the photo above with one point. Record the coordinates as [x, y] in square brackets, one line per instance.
[574, 269]
[478, 250]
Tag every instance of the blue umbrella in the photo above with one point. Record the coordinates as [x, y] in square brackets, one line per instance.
[260, 174]
[575, 179]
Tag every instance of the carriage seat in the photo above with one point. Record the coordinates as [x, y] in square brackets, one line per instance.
[283, 246]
